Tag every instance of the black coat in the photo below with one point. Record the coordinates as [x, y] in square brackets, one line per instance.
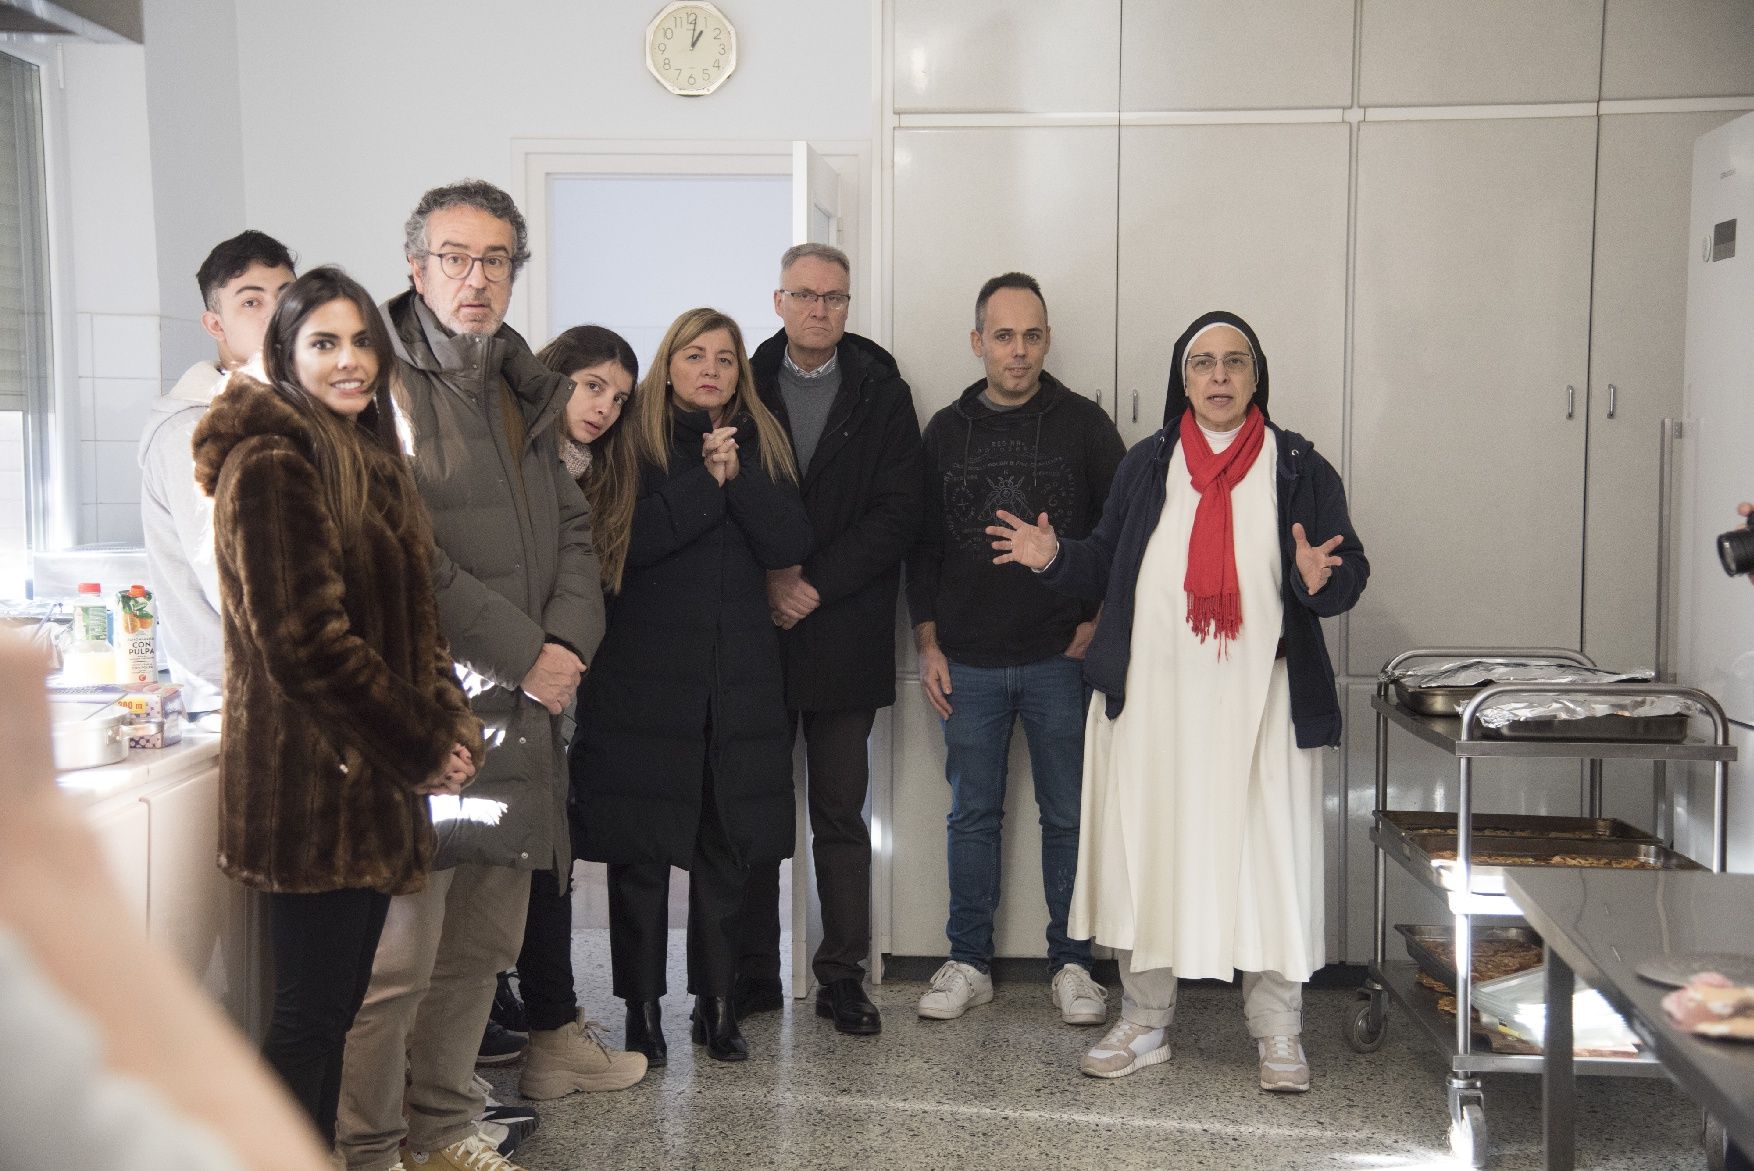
[863, 491]
[690, 665]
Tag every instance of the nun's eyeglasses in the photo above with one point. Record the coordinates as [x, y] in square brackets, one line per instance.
[1233, 363]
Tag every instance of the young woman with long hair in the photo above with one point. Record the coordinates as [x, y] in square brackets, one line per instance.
[683, 754]
[343, 710]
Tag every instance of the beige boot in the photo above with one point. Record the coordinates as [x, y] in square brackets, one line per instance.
[574, 1057]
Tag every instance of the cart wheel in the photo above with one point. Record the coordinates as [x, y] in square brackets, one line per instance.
[1715, 1140]
[1366, 1028]
[1467, 1136]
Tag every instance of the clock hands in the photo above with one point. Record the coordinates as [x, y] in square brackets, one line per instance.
[695, 40]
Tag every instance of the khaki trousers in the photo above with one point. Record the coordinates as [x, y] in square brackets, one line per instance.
[1272, 1004]
[416, 1037]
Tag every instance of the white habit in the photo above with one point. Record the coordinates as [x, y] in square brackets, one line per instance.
[1201, 846]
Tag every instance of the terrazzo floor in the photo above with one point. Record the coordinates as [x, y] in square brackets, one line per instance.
[1000, 1089]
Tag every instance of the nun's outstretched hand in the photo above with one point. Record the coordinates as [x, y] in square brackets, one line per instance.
[1315, 562]
[1034, 545]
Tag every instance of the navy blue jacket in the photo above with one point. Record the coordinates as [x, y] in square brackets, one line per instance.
[1106, 565]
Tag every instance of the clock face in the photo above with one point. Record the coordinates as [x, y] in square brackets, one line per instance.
[691, 48]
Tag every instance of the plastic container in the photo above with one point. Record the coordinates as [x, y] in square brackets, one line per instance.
[90, 658]
[136, 636]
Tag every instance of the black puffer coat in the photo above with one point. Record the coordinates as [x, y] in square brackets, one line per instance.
[690, 665]
[864, 490]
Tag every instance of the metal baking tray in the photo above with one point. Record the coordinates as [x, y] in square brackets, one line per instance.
[1670, 729]
[1435, 701]
[1419, 847]
[1421, 937]
[1520, 825]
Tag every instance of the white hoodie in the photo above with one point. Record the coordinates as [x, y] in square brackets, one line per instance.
[177, 520]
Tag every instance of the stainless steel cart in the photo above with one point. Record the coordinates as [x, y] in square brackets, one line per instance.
[1471, 889]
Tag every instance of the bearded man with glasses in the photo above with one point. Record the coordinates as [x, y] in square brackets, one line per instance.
[516, 582]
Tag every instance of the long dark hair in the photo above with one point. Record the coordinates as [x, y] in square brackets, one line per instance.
[338, 448]
[612, 484]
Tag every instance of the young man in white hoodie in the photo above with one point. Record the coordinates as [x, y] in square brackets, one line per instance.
[240, 281]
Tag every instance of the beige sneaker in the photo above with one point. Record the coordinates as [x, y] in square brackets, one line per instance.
[1127, 1048]
[1284, 1069]
[473, 1153]
[575, 1057]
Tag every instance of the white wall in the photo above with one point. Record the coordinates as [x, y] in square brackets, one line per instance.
[349, 111]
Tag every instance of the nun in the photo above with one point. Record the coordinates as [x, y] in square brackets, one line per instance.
[1224, 542]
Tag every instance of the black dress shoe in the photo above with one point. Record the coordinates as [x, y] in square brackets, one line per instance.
[715, 1026]
[645, 1032]
[755, 994]
[844, 1002]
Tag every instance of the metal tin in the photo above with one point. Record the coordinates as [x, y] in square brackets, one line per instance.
[1421, 848]
[1420, 938]
[91, 741]
[1652, 729]
[1524, 825]
[1435, 701]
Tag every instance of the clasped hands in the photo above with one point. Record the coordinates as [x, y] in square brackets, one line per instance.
[790, 597]
[1036, 545]
[452, 776]
[718, 450]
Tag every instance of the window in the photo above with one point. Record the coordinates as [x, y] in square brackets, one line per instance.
[24, 318]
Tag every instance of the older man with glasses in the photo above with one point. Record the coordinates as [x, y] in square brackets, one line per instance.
[856, 439]
[519, 603]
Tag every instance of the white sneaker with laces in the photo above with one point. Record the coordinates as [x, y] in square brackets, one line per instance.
[956, 988]
[1080, 999]
[1127, 1048]
[1284, 1068]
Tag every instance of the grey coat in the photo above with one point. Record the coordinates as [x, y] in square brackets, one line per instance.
[512, 570]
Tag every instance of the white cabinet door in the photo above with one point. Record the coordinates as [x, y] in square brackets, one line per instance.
[196, 912]
[1678, 48]
[1472, 318]
[1638, 346]
[121, 830]
[1219, 55]
[1246, 218]
[1476, 52]
[1002, 56]
[973, 203]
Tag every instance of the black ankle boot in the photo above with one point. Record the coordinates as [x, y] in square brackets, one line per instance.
[645, 1031]
[715, 1026]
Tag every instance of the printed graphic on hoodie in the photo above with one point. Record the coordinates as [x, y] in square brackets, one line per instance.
[1008, 472]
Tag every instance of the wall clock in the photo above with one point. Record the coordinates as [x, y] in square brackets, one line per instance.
[691, 48]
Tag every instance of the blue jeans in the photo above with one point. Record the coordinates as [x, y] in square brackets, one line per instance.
[985, 703]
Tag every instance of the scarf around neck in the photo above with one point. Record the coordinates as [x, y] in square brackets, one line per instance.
[1214, 594]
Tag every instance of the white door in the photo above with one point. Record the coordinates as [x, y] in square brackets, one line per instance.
[816, 198]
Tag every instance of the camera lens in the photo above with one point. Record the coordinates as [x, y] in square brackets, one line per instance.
[1736, 550]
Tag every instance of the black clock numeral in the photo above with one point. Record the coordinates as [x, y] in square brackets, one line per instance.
[722, 50]
[668, 32]
[692, 80]
[667, 64]
[717, 32]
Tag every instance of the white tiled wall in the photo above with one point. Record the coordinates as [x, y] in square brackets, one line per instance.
[118, 380]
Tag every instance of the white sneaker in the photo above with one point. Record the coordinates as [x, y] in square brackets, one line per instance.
[1284, 1069]
[1127, 1048]
[1081, 1000]
[956, 988]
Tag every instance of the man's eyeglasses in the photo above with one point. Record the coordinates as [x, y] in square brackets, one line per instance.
[456, 265]
[1233, 363]
[807, 298]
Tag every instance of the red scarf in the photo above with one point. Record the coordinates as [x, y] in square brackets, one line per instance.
[1214, 596]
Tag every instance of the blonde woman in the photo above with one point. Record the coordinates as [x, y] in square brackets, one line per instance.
[683, 755]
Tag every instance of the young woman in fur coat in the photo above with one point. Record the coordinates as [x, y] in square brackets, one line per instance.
[343, 713]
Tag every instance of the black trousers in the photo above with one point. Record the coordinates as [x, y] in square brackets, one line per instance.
[545, 962]
[323, 947]
[639, 915]
[837, 777]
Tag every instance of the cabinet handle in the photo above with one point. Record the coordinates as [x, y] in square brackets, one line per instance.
[1570, 402]
[1135, 406]
[1613, 400]
[1096, 396]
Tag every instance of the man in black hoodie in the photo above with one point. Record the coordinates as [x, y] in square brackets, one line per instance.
[995, 644]
[856, 438]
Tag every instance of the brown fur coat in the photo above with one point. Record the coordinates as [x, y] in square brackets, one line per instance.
[339, 692]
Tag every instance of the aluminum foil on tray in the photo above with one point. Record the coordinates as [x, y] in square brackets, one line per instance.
[1443, 687]
[1606, 717]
